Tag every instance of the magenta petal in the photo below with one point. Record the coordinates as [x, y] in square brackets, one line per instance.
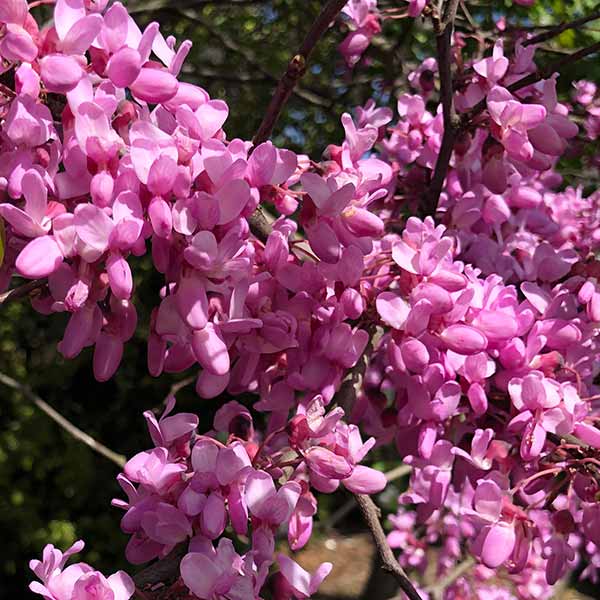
[210, 350]
[14, 11]
[192, 302]
[60, 73]
[200, 574]
[232, 199]
[154, 85]
[365, 480]
[498, 542]
[17, 45]
[124, 67]
[211, 116]
[464, 339]
[161, 217]
[328, 464]
[324, 242]
[39, 258]
[20, 221]
[93, 226]
[392, 309]
[211, 386]
[81, 35]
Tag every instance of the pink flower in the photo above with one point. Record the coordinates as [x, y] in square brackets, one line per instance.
[301, 583]
[77, 582]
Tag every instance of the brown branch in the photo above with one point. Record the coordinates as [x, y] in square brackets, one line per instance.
[444, 29]
[71, 429]
[558, 29]
[163, 571]
[370, 514]
[259, 224]
[296, 69]
[449, 14]
[22, 291]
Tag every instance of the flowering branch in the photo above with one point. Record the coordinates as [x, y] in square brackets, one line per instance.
[532, 78]
[22, 291]
[73, 430]
[444, 29]
[296, 69]
[370, 514]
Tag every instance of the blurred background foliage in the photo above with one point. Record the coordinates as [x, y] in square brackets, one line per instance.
[53, 488]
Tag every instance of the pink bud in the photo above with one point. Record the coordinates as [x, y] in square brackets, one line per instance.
[160, 217]
[154, 85]
[107, 356]
[101, 189]
[60, 73]
[119, 276]
[414, 355]
[477, 398]
[464, 339]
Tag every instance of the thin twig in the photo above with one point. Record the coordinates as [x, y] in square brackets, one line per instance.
[247, 55]
[296, 69]
[73, 430]
[444, 31]
[22, 291]
[179, 385]
[438, 589]
[558, 29]
[370, 514]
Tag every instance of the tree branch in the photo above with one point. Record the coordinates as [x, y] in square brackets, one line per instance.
[296, 69]
[247, 55]
[163, 571]
[71, 429]
[22, 291]
[444, 27]
[259, 224]
[437, 590]
[370, 514]
[558, 29]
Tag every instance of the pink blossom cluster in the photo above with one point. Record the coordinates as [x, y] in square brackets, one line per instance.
[82, 202]
[364, 20]
[191, 488]
[484, 326]
[78, 581]
[476, 382]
